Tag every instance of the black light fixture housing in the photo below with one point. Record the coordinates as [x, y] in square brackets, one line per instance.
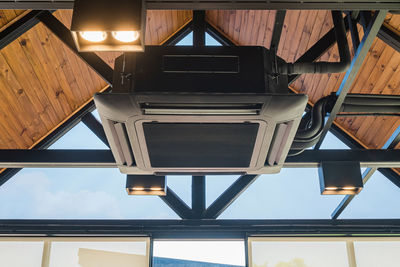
[340, 178]
[146, 185]
[109, 25]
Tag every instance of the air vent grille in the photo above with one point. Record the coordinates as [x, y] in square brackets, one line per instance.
[120, 137]
[279, 141]
[201, 109]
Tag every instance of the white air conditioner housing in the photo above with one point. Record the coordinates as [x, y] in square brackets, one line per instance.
[200, 133]
[198, 110]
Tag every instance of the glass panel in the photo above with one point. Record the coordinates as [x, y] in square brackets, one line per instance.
[294, 193]
[76, 194]
[182, 186]
[378, 199]
[187, 40]
[298, 254]
[21, 254]
[198, 253]
[216, 185]
[211, 41]
[79, 137]
[90, 254]
[377, 254]
[332, 142]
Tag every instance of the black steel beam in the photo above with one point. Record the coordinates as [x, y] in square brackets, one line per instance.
[96, 127]
[277, 31]
[198, 196]
[318, 49]
[390, 37]
[356, 63]
[217, 35]
[206, 229]
[177, 204]
[179, 35]
[355, 38]
[64, 34]
[61, 158]
[371, 158]
[19, 27]
[199, 28]
[234, 4]
[229, 196]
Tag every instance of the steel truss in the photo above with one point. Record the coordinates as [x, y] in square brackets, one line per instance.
[199, 220]
[221, 4]
[203, 229]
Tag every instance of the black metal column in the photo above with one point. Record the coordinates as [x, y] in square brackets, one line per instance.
[199, 28]
[198, 196]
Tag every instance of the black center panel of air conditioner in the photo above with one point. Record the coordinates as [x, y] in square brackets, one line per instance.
[198, 69]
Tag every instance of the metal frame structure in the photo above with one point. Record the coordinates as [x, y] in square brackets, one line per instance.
[199, 221]
[204, 4]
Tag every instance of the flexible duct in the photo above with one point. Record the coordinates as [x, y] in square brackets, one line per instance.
[325, 67]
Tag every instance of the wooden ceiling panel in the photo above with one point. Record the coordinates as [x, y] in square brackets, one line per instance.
[379, 74]
[8, 16]
[254, 27]
[393, 20]
[42, 82]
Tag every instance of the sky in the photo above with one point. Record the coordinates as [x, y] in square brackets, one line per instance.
[100, 193]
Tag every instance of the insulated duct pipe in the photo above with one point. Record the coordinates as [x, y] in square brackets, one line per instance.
[312, 123]
[371, 104]
[325, 67]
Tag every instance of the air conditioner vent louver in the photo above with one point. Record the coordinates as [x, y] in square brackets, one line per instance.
[121, 142]
[201, 108]
[280, 139]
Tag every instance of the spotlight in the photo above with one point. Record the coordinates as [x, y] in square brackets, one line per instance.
[146, 185]
[340, 178]
[94, 36]
[104, 25]
[126, 36]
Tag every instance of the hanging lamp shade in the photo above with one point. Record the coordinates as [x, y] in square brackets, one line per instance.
[340, 178]
[109, 25]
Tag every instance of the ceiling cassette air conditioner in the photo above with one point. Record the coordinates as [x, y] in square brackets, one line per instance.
[227, 118]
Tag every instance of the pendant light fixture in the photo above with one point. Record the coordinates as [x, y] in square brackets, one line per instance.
[105, 25]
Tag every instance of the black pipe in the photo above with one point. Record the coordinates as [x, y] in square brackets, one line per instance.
[316, 123]
[382, 109]
[372, 100]
[325, 67]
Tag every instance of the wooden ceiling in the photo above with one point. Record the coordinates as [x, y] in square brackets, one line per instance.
[42, 82]
[380, 73]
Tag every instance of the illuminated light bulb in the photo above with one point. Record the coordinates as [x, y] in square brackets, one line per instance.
[138, 188]
[349, 188]
[94, 36]
[331, 188]
[126, 36]
[156, 189]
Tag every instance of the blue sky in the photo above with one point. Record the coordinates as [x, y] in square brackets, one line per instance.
[100, 193]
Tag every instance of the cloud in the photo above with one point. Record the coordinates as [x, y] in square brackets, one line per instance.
[30, 195]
